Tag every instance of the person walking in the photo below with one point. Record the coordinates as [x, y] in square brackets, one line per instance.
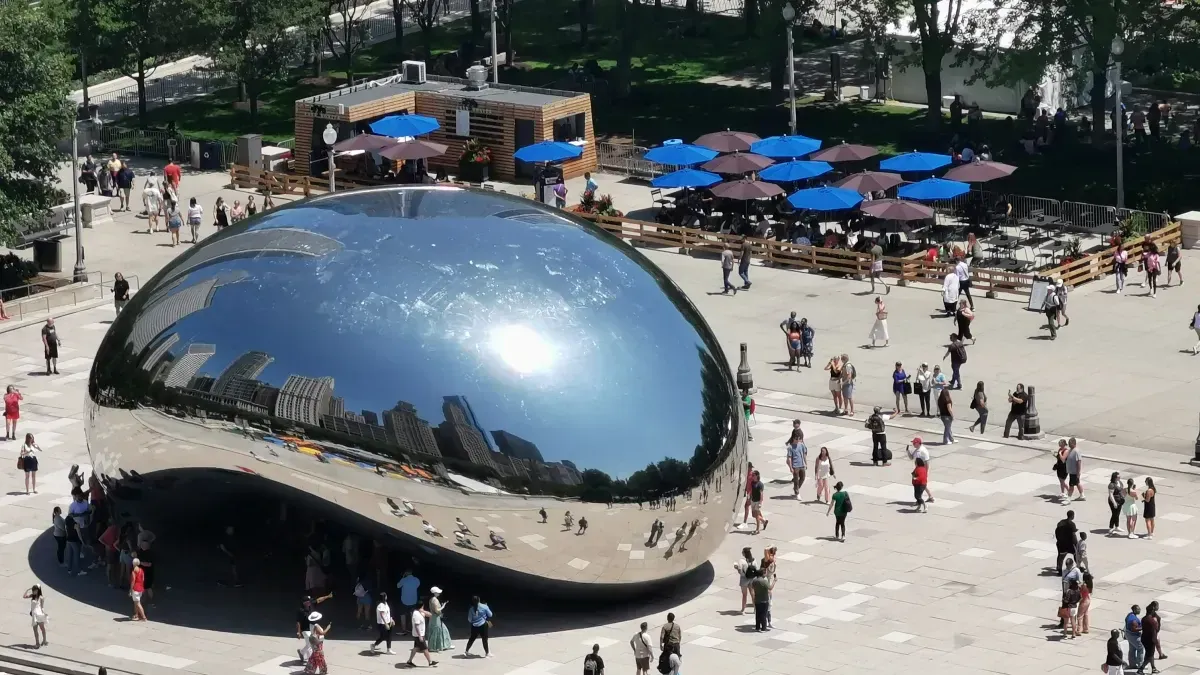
[12, 411]
[152, 199]
[1133, 637]
[1061, 290]
[37, 612]
[726, 270]
[760, 588]
[1050, 309]
[756, 500]
[879, 331]
[1174, 263]
[1194, 324]
[1121, 268]
[879, 451]
[174, 221]
[744, 568]
[824, 472]
[383, 623]
[479, 615]
[835, 383]
[957, 352]
[1131, 508]
[1019, 402]
[643, 652]
[950, 290]
[1153, 266]
[920, 479]
[1116, 498]
[1074, 466]
[849, 378]
[918, 450]
[120, 292]
[593, 663]
[125, 180]
[840, 506]
[137, 586]
[747, 254]
[50, 345]
[316, 664]
[979, 405]
[1151, 626]
[28, 461]
[1066, 537]
[946, 414]
[439, 634]
[924, 385]
[797, 460]
[877, 267]
[420, 634]
[1148, 507]
[963, 318]
[962, 270]
[195, 216]
[1114, 660]
[900, 388]
[221, 217]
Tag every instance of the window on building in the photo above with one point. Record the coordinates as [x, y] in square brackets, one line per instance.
[570, 128]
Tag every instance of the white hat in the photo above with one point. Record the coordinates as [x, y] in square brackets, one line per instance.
[435, 590]
[314, 617]
[1058, 283]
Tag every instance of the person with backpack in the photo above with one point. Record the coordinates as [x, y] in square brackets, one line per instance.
[840, 506]
[593, 663]
[957, 352]
[879, 450]
[1050, 308]
[745, 569]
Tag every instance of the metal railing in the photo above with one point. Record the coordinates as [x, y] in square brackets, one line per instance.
[68, 295]
[160, 92]
[1033, 207]
[628, 160]
[1093, 215]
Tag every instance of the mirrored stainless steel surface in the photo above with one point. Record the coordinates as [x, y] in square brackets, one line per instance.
[447, 364]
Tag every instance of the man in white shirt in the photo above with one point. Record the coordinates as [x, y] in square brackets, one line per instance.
[420, 646]
[963, 271]
[643, 653]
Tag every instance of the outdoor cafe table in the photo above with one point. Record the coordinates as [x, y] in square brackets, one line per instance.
[1041, 221]
[1055, 249]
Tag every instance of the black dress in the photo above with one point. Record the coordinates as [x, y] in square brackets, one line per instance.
[964, 325]
[1148, 506]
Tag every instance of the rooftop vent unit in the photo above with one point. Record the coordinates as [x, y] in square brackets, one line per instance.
[477, 78]
[413, 71]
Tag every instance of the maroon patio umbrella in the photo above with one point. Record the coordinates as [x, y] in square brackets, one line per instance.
[414, 150]
[870, 181]
[738, 162]
[727, 141]
[746, 189]
[896, 209]
[368, 142]
[844, 153]
[980, 172]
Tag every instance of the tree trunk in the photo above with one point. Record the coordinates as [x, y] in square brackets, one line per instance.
[398, 19]
[628, 27]
[657, 10]
[931, 63]
[506, 22]
[583, 23]
[476, 22]
[252, 95]
[427, 37]
[750, 14]
[1099, 102]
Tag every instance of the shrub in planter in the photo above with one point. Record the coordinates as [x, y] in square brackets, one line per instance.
[15, 271]
[474, 162]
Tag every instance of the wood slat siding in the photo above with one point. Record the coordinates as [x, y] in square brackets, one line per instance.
[1100, 264]
[493, 123]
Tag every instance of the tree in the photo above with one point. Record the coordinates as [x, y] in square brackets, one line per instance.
[504, 24]
[426, 14]
[398, 19]
[350, 32]
[628, 14]
[76, 18]
[142, 35]
[937, 25]
[35, 79]
[257, 41]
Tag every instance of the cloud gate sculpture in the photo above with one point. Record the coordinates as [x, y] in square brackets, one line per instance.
[468, 376]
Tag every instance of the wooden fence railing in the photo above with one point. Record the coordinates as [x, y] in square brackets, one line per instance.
[1100, 264]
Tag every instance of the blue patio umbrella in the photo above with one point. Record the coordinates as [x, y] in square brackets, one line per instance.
[686, 178]
[680, 154]
[789, 172]
[399, 126]
[933, 189]
[915, 161]
[785, 147]
[548, 151]
[825, 199]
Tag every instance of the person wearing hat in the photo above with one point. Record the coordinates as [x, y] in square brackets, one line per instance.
[316, 644]
[1050, 308]
[439, 635]
[917, 450]
[304, 624]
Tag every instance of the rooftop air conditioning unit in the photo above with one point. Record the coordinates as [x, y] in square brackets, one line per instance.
[414, 72]
[477, 78]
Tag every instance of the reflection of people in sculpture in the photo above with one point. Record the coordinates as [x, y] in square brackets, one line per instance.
[568, 521]
[464, 540]
[430, 529]
[690, 533]
[497, 540]
[462, 527]
[656, 530]
[542, 513]
[679, 534]
[582, 525]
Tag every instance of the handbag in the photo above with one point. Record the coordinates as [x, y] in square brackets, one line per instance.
[20, 464]
[906, 388]
[1064, 613]
[847, 505]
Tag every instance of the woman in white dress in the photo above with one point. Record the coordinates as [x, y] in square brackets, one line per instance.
[37, 612]
[824, 472]
[1131, 508]
[880, 330]
[152, 198]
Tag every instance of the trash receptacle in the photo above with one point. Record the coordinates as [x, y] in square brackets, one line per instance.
[47, 254]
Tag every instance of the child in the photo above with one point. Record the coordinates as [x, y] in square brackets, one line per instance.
[1081, 552]
[364, 611]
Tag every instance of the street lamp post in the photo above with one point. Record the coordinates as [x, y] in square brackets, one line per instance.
[789, 16]
[330, 137]
[1118, 48]
[79, 274]
[495, 63]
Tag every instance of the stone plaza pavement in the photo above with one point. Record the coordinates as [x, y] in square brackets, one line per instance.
[961, 587]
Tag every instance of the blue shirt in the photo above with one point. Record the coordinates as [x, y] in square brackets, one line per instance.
[898, 379]
[479, 616]
[797, 455]
[408, 590]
